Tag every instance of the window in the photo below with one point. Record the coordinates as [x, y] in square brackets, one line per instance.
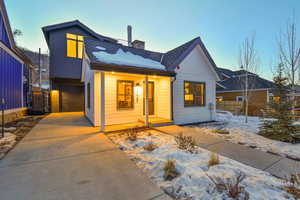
[124, 94]
[275, 99]
[194, 93]
[74, 45]
[239, 98]
[88, 95]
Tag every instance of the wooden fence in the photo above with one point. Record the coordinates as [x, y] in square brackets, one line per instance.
[234, 107]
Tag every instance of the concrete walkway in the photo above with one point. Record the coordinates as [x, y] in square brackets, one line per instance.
[63, 157]
[276, 165]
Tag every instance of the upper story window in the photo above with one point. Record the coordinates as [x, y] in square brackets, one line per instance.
[194, 93]
[74, 45]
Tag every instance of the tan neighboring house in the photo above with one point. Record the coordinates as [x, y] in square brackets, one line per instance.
[230, 91]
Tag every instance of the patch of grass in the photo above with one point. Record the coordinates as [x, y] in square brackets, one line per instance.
[292, 185]
[232, 186]
[213, 160]
[170, 171]
[186, 143]
[150, 146]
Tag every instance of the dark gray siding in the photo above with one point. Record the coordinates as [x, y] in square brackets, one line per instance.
[60, 65]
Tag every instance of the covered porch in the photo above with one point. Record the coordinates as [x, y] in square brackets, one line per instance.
[128, 100]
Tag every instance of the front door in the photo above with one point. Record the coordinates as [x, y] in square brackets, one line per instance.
[150, 97]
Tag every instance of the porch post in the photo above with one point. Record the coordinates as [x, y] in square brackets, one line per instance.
[147, 101]
[102, 101]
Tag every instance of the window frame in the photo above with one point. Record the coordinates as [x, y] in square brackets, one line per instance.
[204, 95]
[77, 41]
[237, 97]
[132, 95]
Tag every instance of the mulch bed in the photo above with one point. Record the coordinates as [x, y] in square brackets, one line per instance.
[20, 128]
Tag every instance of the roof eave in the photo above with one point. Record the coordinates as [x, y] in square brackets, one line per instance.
[129, 69]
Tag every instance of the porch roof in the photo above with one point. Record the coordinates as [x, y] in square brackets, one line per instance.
[129, 69]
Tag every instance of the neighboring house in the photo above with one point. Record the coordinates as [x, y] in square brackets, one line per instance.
[15, 70]
[37, 60]
[231, 87]
[117, 84]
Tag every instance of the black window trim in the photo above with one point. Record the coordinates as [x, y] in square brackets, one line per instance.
[132, 95]
[89, 95]
[76, 40]
[194, 105]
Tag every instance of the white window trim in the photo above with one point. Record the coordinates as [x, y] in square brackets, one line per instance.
[237, 98]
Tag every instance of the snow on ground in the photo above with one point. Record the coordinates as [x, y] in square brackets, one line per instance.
[126, 58]
[246, 133]
[6, 143]
[193, 180]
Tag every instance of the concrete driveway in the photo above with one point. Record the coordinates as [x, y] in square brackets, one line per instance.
[63, 157]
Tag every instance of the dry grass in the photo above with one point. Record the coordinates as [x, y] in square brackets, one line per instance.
[170, 171]
[132, 134]
[221, 131]
[292, 186]
[213, 160]
[186, 143]
[150, 146]
[232, 187]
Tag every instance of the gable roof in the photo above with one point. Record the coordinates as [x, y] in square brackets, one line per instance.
[7, 24]
[175, 56]
[237, 83]
[47, 29]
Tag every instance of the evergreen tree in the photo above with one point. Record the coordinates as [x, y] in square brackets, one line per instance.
[282, 128]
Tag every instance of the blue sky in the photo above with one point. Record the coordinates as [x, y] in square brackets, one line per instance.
[166, 24]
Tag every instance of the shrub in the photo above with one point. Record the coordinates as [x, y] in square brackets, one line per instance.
[186, 143]
[132, 134]
[231, 186]
[292, 185]
[150, 146]
[214, 159]
[170, 171]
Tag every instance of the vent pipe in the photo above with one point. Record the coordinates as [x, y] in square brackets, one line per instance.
[129, 35]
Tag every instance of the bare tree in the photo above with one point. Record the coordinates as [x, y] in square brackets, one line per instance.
[289, 55]
[249, 62]
[17, 32]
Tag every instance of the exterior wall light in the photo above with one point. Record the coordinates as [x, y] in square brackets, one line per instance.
[137, 91]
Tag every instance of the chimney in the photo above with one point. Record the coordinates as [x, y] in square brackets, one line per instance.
[129, 35]
[138, 44]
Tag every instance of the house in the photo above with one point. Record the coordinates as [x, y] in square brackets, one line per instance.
[126, 84]
[15, 70]
[231, 87]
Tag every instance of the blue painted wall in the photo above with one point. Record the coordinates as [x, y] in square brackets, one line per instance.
[10, 80]
[3, 33]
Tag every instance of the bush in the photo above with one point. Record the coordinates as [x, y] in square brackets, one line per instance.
[170, 171]
[132, 134]
[231, 186]
[186, 143]
[150, 146]
[214, 159]
[292, 185]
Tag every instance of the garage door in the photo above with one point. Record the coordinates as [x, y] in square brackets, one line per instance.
[72, 98]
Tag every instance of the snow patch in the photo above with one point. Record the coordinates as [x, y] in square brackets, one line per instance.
[127, 58]
[100, 48]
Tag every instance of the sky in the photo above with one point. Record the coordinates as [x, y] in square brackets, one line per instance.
[165, 24]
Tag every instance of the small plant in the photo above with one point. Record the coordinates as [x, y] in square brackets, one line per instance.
[150, 146]
[232, 186]
[186, 143]
[292, 185]
[132, 134]
[170, 171]
[221, 131]
[214, 159]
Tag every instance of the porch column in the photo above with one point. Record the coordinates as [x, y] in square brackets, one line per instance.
[147, 101]
[102, 101]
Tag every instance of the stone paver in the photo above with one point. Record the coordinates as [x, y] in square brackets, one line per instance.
[63, 157]
[276, 165]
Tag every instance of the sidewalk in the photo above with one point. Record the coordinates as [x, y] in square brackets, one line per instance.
[63, 157]
[276, 165]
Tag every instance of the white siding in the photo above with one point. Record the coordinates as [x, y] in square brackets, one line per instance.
[195, 67]
[89, 78]
[163, 98]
